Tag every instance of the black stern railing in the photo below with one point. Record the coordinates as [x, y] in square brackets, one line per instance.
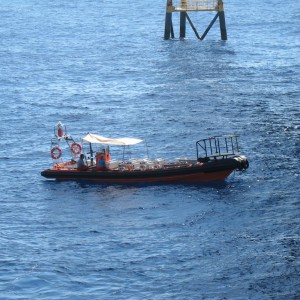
[217, 147]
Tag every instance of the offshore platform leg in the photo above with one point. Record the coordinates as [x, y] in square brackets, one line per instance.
[168, 26]
[182, 24]
[222, 26]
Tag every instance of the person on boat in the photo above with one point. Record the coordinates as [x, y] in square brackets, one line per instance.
[81, 165]
[102, 164]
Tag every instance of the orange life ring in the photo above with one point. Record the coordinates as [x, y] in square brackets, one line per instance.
[76, 148]
[54, 155]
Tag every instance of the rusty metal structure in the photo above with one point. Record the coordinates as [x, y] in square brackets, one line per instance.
[184, 6]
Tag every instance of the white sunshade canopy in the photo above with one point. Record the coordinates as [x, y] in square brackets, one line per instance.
[98, 139]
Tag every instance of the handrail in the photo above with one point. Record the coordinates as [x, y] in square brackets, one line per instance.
[218, 146]
[186, 5]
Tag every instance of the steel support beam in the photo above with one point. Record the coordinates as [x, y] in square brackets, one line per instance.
[168, 26]
[223, 25]
[182, 24]
[193, 27]
[209, 27]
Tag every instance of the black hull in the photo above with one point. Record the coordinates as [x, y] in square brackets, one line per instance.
[213, 170]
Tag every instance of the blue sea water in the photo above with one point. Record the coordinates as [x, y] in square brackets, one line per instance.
[104, 67]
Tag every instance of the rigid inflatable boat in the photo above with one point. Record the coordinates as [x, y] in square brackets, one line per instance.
[216, 158]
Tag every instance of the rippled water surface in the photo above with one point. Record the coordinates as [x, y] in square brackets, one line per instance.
[103, 67]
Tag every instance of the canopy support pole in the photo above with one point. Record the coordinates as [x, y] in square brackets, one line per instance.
[92, 156]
